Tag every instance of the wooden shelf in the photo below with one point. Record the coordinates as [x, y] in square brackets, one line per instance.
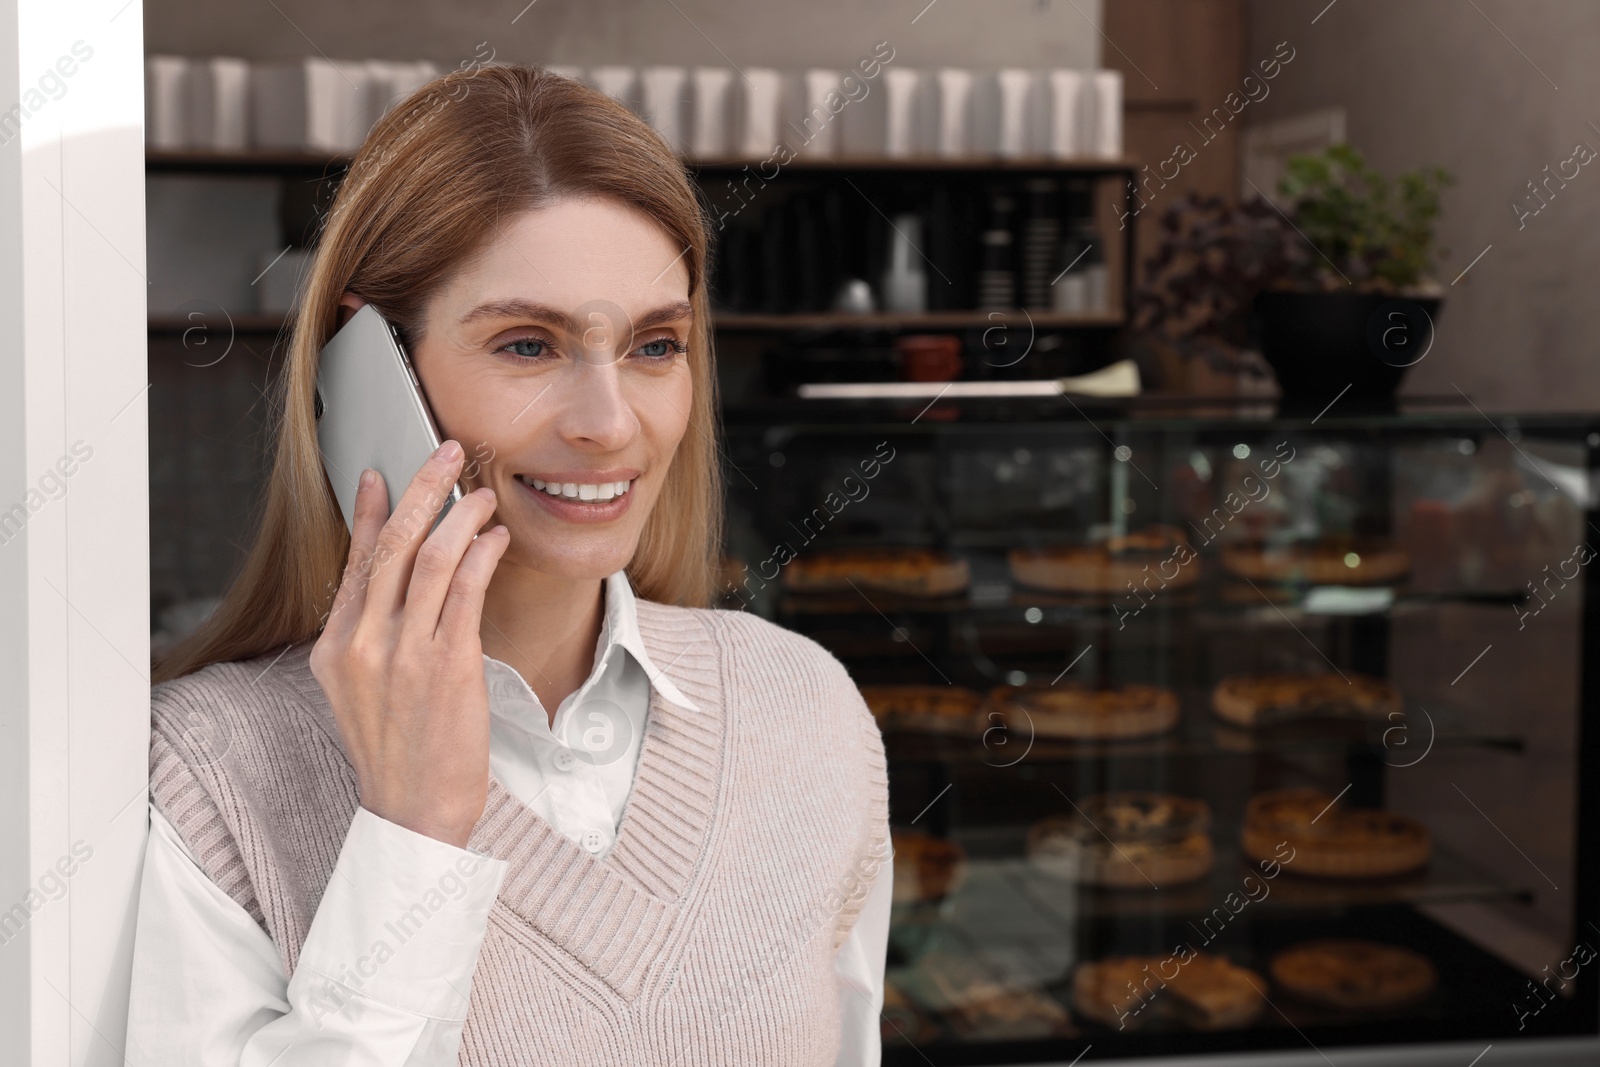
[282, 162]
[249, 323]
[931, 320]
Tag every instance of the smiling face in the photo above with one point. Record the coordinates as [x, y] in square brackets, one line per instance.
[558, 359]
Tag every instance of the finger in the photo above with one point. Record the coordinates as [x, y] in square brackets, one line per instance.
[437, 560]
[463, 603]
[405, 530]
[371, 509]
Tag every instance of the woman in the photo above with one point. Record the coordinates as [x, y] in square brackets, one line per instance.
[373, 841]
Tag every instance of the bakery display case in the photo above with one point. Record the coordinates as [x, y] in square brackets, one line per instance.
[1227, 734]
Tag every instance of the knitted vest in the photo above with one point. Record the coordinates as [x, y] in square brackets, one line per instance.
[707, 935]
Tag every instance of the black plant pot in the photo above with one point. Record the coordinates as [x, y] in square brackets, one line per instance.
[1359, 344]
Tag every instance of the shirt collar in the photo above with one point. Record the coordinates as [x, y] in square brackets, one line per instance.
[622, 627]
[619, 627]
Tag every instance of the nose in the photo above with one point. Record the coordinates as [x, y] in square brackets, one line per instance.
[593, 403]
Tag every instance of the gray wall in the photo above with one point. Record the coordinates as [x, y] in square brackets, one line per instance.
[779, 33]
[1432, 81]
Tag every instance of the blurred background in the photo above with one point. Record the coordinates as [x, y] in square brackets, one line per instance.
[1085, 264]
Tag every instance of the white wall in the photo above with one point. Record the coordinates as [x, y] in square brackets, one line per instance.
[74, 617]
[778, 33]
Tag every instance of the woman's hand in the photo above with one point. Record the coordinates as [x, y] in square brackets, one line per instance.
[400, 658]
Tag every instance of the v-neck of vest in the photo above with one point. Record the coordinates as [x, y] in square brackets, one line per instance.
[602, 909]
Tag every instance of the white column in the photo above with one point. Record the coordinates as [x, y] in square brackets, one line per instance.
[74, 529]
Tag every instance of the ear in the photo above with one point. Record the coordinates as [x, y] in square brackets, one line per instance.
[349, 304]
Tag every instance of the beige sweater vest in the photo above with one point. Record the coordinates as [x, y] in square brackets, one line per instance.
[707, 935]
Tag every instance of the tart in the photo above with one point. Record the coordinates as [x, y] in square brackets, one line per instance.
[1088, 714]
[987, 1011]
[1125, 841]
[1354, 975]
[1263, 699]
[1330, 841]
[1155, 558]
[1336, 561]
[1203, 991]
[945, 709]
[908, 571]
[926, 868]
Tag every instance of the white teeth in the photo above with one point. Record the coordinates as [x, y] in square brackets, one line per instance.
[601, 491]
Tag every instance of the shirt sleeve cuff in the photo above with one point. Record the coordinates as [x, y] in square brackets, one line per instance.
[400, 923]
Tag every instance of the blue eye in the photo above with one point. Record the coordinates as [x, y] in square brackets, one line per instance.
[662, 348]
[526, 347]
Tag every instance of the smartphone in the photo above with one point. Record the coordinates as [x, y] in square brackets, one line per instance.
[371, 412]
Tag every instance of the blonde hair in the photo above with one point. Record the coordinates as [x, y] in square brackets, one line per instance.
[424, 194]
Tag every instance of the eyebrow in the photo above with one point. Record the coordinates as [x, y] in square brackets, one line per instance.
[561, 320]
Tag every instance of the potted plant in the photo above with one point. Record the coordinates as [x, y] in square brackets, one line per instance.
[1192, 316]
[1356, 303]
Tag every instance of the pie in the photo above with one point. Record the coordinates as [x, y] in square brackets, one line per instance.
[1335, 561]
[926, 868]
[1355, 975]
[1203, 991]
[1263, 699]
[929, 708]
[908, 571]
[1330, 841]
[987, 1011]
[1155, 558]
[1125, 841]
[978, 1006]
[1087, 714]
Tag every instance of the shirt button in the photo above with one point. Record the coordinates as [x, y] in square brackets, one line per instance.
[594, 840]
[565, 760]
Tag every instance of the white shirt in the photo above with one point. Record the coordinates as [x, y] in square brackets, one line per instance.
[208, 984]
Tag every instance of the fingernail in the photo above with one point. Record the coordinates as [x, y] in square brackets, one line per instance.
[449, 450]
[366, 477]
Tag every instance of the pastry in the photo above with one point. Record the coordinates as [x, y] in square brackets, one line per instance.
[987, 1011]
[1352, 974]
[1263, 699]
[929, 708]
[926, 868]
[1125, 841]
[1155, 558]
[1329, 841]
[1203, 991]
[1336, 561]
[1087, 714]
[909, 571]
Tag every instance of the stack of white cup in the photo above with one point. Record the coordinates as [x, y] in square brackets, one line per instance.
[224, 104]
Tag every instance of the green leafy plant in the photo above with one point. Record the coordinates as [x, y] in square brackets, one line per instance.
[1363, 227]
